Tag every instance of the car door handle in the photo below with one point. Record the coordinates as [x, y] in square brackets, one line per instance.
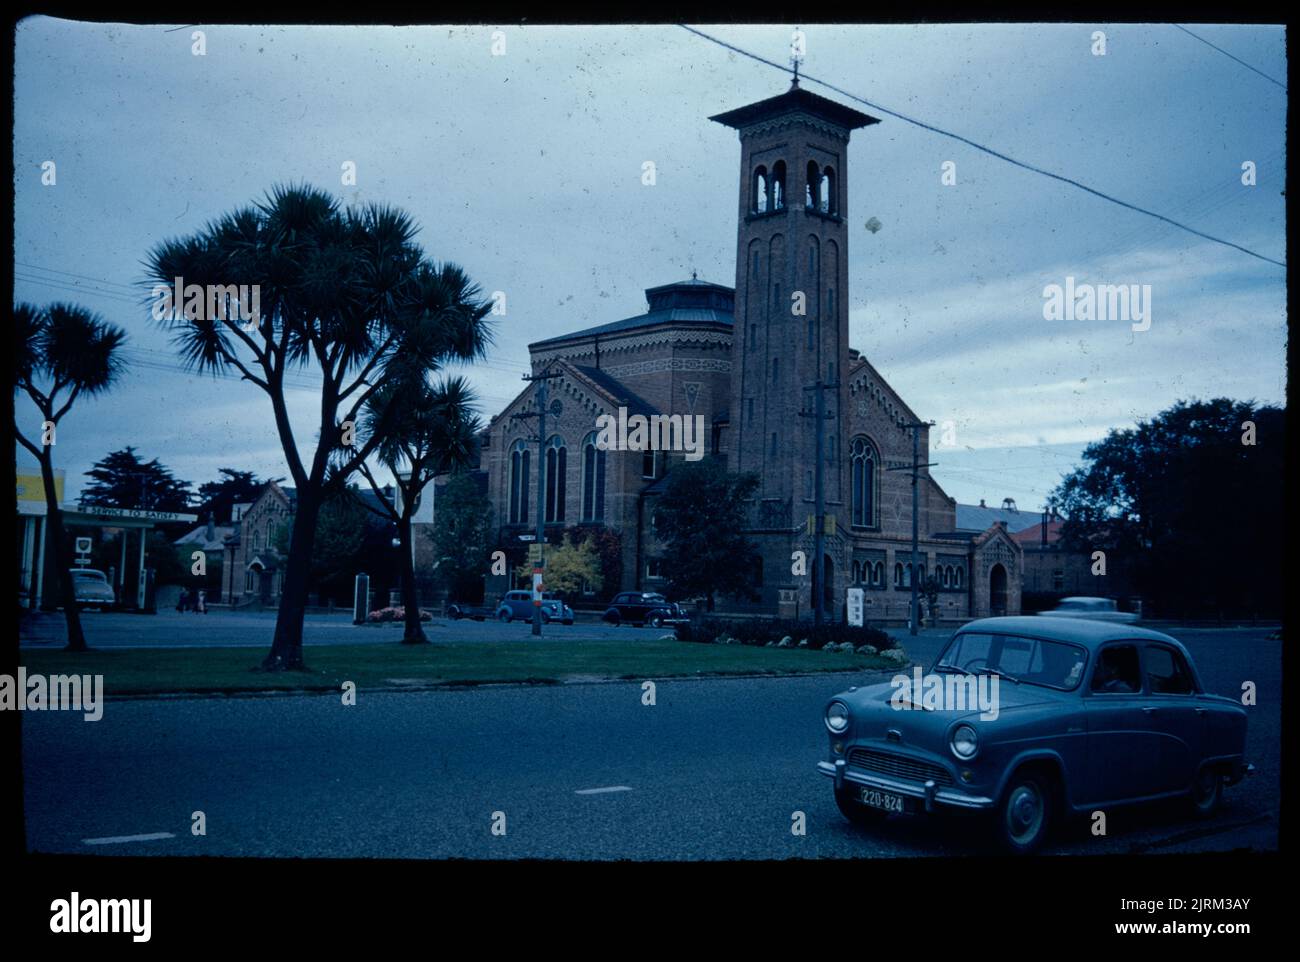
[1148, 710]
[1201, 711]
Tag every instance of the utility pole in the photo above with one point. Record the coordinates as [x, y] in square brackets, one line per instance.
[820, 416]
[540, 414]
[916, 426]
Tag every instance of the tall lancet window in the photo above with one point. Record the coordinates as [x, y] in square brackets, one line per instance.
[863, 461]
[593, 480]
[519, 456]
[556, 463]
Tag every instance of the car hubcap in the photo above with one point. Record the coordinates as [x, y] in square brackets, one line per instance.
[1024, 812]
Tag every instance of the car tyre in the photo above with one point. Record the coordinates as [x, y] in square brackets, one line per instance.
[1207, 793]
[546, 619]
[504, 616]
[1023, 817]
[857, 813]
[656, 621]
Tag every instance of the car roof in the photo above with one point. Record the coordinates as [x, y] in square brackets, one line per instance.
[1080, 631]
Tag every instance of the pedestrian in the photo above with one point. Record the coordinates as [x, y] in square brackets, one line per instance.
[201, 606]
[182, 600]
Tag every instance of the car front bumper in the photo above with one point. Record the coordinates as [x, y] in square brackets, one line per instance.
[930, 795]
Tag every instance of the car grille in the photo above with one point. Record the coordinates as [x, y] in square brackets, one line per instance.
[898, 766]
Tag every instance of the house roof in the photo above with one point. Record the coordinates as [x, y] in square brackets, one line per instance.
[692, 302]
[199, 536]
[1029, 537]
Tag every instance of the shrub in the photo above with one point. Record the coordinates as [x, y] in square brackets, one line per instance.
[759, 631]
[397, 613]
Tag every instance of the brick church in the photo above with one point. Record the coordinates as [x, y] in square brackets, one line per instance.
[751, 360]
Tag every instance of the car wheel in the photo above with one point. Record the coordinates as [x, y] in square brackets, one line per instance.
[546, 619]
[1024, 816]
[656, 621]
[1207, 793]
[855, 811]
[615, 620]
[455, 614]
[504, 616]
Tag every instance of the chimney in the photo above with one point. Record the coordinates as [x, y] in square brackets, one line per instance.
[982, 504]
[211, 533]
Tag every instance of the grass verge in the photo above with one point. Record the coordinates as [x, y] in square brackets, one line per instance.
[198, 670]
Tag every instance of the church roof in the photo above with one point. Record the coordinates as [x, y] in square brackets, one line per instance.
[616, 389]
[684, 302]
[795, 100]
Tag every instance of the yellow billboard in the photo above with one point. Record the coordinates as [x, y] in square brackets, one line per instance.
[31, 488]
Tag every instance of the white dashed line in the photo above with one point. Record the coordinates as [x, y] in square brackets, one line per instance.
[602, 791]
[115, 839]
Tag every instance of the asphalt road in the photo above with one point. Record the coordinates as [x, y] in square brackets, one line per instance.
[714, 770]
[255, 629]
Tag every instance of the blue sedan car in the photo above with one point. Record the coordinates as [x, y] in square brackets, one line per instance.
[1031, 719]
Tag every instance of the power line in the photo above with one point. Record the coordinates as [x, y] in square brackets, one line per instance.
[988, 150]
[1231, 57]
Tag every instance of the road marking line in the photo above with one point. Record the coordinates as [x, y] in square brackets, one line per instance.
[601, 791]
[115, 839]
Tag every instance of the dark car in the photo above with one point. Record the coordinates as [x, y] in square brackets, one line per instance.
[457, 610]
[644, 608]
[519, 604]
[1088, 716]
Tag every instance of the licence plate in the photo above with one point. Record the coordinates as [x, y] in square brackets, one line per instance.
[886, 801]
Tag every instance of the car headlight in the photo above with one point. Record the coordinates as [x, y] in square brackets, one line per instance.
[965, 741]
[837, 716]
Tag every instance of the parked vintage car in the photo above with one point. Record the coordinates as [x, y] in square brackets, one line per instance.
[519, 604]
[644, 608]
[457, 610]
[91, 588]
[1089, 716]
[1094, 609]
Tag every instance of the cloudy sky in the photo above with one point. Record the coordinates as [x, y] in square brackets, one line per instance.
[525, 168]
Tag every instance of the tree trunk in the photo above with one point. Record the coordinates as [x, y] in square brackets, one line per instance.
[57, 548]
[286, 649]
[414, 634]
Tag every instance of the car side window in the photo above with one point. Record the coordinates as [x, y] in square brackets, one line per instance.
[1167, 673]
[1117, 671]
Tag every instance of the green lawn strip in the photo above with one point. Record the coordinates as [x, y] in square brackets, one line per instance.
[395, 666]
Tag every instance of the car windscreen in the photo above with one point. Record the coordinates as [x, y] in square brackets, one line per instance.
[90, 576]
[1038, 661]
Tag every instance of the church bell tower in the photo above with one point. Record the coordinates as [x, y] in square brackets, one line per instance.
[791, 318]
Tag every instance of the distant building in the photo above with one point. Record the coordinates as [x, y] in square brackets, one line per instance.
[747, 361]
[1052, 572]
[253, 568]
